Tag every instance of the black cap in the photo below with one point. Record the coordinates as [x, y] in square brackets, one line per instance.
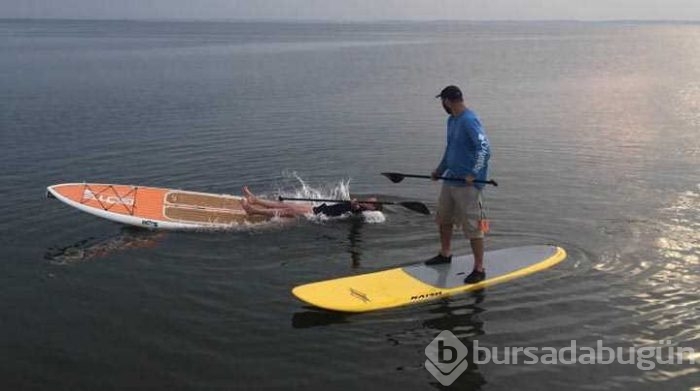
[450, 93]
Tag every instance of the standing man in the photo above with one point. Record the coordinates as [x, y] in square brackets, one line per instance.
[466, 157]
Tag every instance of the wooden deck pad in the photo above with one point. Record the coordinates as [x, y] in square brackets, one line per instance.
[204, 200]
[210, 216]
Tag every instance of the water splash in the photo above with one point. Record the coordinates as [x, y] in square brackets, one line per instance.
[339, 190]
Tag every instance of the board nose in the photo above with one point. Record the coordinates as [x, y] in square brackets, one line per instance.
[49, 192]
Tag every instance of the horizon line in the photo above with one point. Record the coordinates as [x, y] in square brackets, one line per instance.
[340, 21]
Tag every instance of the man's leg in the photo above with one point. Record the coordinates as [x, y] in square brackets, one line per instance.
[269, 204]
[272, 212]
[472, 231]
[295, 208]
[445, 224]
[478, 251]
[445, 239]
[254, 200]
[478, 273]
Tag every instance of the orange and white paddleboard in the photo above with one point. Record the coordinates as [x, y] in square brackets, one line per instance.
[153, 207]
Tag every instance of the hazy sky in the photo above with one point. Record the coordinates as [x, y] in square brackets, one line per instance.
[355, 9]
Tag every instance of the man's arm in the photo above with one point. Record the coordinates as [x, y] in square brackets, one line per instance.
[441, 167]
[483, 149]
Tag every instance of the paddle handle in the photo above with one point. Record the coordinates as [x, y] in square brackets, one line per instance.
[491, 182]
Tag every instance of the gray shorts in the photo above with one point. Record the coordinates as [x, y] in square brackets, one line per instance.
[461, 206]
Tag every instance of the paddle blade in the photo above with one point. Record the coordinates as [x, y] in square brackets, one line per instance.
[416, 207]
[394, 176]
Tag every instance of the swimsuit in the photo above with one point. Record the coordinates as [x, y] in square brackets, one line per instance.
[334, 210]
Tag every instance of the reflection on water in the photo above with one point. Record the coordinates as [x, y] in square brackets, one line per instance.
[462, 318]
[315, 317]
[679, 242]
[654, 292]
[129, 238]
[676, 286]
[355, 242]
[687, 105]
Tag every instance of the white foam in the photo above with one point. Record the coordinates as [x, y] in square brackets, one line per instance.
[337, 191]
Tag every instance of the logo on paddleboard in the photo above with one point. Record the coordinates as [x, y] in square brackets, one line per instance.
[106, 199]
[426, 296]
[446, 358]
[149, 223]
[359, 295]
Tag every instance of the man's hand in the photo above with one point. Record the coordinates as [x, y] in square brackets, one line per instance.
[434, 175]
[469, 179]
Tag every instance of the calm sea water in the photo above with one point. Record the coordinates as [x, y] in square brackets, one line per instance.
[596, 144]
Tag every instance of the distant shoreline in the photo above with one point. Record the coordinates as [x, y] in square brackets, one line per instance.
[358, 21]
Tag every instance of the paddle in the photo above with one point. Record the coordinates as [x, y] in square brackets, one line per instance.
[412, 205]
[398, 177]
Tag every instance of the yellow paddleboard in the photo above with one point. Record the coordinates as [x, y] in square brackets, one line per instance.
[420, 283]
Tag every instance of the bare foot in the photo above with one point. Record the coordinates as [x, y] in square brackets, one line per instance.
[249, 195]
[246, 206]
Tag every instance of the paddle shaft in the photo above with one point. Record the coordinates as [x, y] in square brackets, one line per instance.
[338, 201]
[412, 205]
[447, 179]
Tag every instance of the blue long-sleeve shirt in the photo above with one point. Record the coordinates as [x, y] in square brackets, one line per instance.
[467, 151]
